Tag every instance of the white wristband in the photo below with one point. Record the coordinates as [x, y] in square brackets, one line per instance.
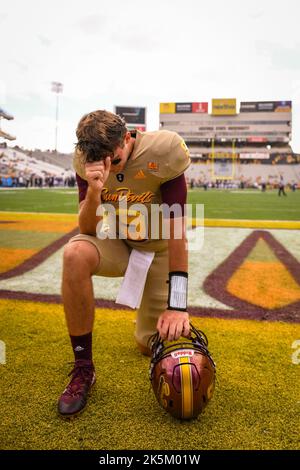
[178, 287]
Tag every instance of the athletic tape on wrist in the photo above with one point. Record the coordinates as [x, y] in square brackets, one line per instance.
[178, 289]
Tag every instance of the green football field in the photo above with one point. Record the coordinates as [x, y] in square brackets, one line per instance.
[256, 402]
[218, 204]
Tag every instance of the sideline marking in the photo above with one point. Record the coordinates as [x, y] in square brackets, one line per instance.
[248, 223]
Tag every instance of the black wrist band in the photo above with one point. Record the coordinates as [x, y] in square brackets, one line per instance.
[178, 289]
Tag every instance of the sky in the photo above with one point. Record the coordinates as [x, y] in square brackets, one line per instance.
[133, 53]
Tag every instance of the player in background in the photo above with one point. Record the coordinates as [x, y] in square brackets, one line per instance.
[281, 187]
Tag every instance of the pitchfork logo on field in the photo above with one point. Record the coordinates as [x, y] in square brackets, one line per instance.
[2, 353]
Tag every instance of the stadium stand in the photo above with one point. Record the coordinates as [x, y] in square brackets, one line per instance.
[19, 169]
[6, 115]
[62, 160]
[250, 174]
[248, 147]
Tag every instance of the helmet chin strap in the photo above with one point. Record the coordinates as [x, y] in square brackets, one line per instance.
[197, 340]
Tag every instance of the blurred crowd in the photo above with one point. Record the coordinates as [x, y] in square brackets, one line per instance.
[240, 184]
[35, 181]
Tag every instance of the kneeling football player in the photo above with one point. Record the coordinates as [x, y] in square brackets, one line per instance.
[147, 168]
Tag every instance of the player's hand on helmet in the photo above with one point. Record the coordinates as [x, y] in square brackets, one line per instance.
[172, 324]
[97, 174]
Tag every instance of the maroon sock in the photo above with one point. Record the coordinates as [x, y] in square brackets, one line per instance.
[82, 346]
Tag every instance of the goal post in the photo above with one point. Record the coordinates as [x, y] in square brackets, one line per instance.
[223, 164]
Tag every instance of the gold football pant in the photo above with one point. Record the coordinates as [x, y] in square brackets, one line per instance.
[114, 257]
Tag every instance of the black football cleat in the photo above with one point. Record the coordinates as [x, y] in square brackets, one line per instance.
[74, 398]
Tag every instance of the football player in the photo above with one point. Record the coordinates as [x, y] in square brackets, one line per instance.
[147, 168]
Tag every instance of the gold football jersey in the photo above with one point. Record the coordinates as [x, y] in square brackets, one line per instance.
[157, 157]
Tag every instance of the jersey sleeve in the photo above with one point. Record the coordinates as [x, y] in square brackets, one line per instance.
[176, 160]
[174, 192]
[82, 187]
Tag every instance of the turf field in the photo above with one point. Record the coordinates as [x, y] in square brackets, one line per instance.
[255, 406]
[248, 204]
[256, 402]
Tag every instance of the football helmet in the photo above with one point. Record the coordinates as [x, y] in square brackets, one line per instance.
[182, 374]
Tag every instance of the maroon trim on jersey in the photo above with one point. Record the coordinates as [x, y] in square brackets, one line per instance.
[82, 187]
[174, 192]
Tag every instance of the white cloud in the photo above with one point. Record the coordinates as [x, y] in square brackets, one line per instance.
[118, 52]
[44, 41]
[2, 92]
[41, 131]
[92, 24]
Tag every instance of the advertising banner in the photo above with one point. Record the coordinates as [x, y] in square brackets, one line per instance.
[183, 107]
[223, 107]
[132, 115]
[283, 107]
[200, 108]
[257, 138]
[265, 106]
[167, 108]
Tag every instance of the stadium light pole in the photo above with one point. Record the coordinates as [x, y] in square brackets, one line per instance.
[57, 88]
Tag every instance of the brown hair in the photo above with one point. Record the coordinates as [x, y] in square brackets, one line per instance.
[99, 133]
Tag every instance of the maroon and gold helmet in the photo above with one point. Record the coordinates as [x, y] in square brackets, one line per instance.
[182, 374]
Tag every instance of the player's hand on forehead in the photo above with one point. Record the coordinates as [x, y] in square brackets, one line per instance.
[101, 165]
[97, 173]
